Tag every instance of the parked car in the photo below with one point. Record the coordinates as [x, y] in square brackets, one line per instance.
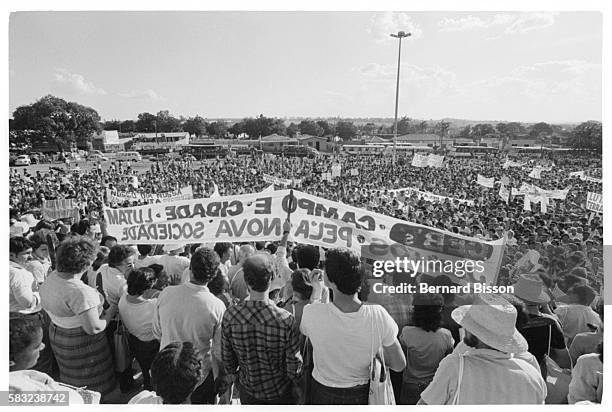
[23, 160]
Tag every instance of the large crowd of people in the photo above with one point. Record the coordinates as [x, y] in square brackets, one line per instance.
[275, 322]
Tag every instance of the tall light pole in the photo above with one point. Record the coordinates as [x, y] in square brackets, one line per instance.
[400, 35]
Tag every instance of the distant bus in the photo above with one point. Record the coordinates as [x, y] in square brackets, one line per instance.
[363, 149]
[205, 151]
[472, 151]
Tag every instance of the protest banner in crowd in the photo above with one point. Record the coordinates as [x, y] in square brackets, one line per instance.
[354, 172]
[431, 197]
[536, 173]
[504, 193]
[533, 190]
[280, 181]
[60, 209]
[579, 174]
[595, 202]
[315, 221]
[119, 196]
[486, 181]
[510, 163]
[336, 170]
[434, 160]
[419, 160]
[591, 179]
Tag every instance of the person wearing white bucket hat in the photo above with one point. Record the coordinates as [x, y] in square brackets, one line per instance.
[488, 373]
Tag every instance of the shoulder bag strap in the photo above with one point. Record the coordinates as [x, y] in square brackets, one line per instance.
[549, 339]
[459, 380]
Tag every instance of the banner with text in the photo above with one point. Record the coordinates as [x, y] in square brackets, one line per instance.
[595, 202]
[119, 196]
[315, 221]
[431, 197]
[486, 181]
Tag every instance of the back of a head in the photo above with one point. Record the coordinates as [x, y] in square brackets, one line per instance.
[118, 254]
[75, 254]
[299, 285]
[18, 244]
[308, 256]
[222, 248]
[259, 246]
[344, 269]
[258, 272]
[204, 264]
[584, 294]
[218, 284]
[245, 251]
[144, 250]
[22, 332]
[427, 311]
[175, 372]
[139, 280]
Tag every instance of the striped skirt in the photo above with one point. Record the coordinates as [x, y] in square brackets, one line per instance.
[83, 360]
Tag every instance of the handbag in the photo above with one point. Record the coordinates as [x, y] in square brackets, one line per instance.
[459, 380]
[123, 359]
[557, 380]
[381, 389]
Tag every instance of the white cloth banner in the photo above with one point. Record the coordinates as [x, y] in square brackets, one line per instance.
[431, 197]
[336, 170]
[533, 190]
[595, 202]
[581, 174]
[120, 196]
[434, 160]
[510, 163]
[215, 191]
[536, 173]
[486, 181]
[268, 189]
[315, 221]
[419, 160]
[354, 172]
[504, 193]
[590, 179]
[276, 180]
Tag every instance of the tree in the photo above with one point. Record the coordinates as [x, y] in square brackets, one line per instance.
[127, 126]
[368, 129]
[513, 129]
[167, 123]
[441, 129]
[403, 126]
[238, 128]
[310, 127]
[328, 129]
[346, 130]
[466, 132]
[587, 135]
[292, 129]
[64, 122]
[112, 124]
[482, 130]
[196, 126]
[539, 129]
[146, 123]
[217, 129]
[263, 126]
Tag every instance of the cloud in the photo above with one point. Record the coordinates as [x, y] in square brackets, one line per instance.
[383, 24]
[531, 21]
[77, 82]
[142, 95]
[512, 23]
[426, 82]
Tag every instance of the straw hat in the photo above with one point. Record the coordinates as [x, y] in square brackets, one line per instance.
[492, 319]
[530, 288]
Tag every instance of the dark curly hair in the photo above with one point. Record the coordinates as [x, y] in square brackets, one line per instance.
[75, 254]
[22, 332]
[204, 264]
[18, 244]
[139, 280]
[118, 254]
[427, 311]
[218, 284]
[344, 269]
[175, 372]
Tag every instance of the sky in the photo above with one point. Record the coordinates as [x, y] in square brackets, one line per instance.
[505, 66]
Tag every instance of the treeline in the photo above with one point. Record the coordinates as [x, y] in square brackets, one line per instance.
[67, 123]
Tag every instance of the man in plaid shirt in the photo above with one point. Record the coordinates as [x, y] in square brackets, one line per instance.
[260, 342]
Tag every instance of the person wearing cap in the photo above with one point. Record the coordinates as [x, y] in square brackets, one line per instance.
[260, 342]
[189, 312]
[542, 331]
[578, 316]
[488, 373]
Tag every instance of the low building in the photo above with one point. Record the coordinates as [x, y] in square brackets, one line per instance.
[321, 144]
[275, 142]
[110, 141]
[160, 142]
[420, 139]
